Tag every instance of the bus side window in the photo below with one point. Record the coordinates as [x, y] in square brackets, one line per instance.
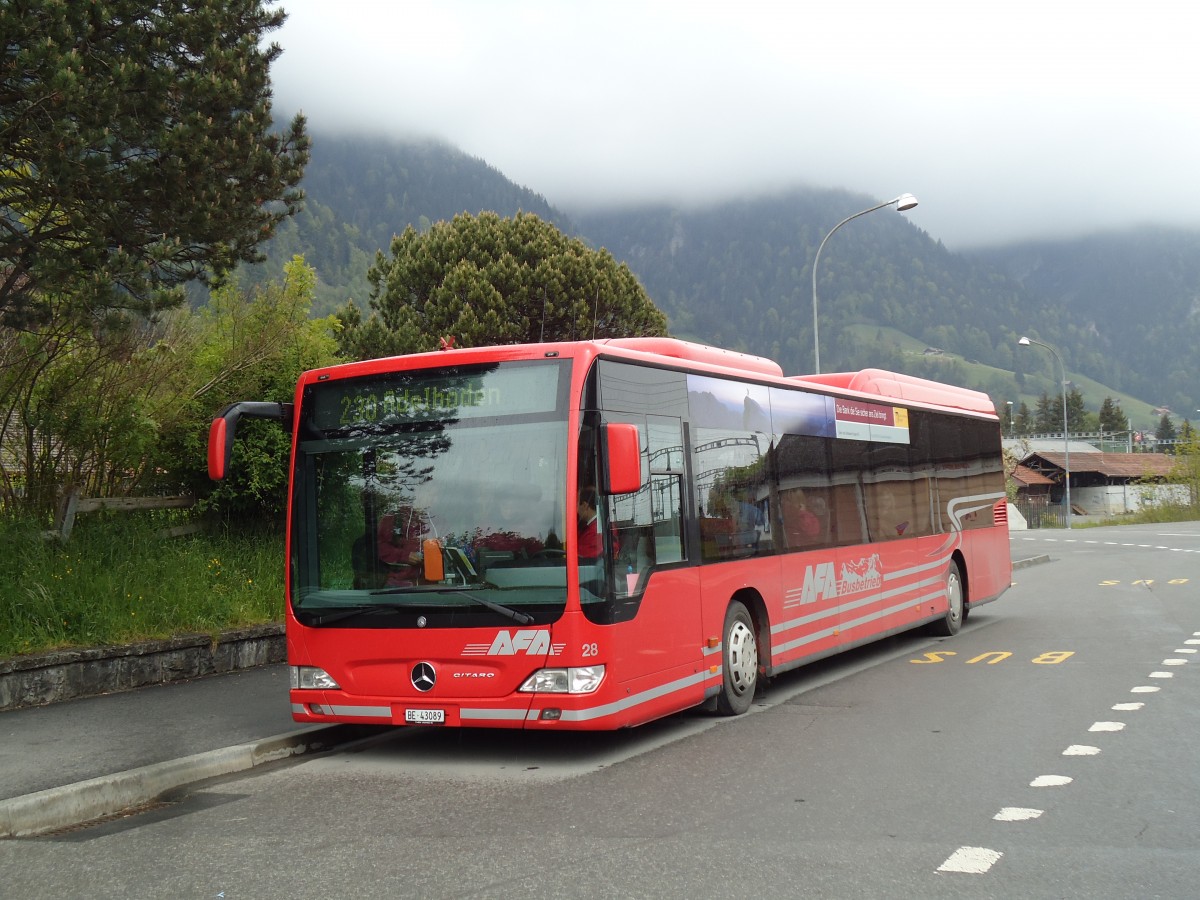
[649, 522]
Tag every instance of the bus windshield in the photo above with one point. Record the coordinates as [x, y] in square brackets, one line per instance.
[432, 498]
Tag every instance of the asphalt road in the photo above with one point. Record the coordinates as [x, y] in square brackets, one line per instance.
[1049, 750]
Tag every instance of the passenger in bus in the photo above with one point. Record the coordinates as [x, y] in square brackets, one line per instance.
[801, 527]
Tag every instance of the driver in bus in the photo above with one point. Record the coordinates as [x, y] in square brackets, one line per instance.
[399, 541]
[589, 541]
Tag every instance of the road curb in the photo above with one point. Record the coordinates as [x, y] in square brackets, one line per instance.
[73, 804]
[1030, 561]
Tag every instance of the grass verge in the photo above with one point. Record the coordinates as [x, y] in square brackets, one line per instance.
[1149, 515]
[116, 582]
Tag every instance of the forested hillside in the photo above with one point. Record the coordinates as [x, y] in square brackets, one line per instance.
[1122, 309]
[1128, 306]
[740, 274]
[361, 191]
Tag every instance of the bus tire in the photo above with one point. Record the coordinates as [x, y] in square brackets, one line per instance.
[739, 662]
[950, 624]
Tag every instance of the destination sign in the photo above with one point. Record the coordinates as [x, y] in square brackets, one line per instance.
[399, 398]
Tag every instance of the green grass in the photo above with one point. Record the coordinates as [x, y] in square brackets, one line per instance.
[1151, 515]
[116, 582]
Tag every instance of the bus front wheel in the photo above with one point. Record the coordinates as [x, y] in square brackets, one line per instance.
[739, 658]
[952, 622]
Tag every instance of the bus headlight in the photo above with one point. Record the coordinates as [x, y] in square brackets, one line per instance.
[578, 680]
[310, 678]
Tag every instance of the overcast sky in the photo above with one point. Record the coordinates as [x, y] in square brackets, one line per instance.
[1029, 118]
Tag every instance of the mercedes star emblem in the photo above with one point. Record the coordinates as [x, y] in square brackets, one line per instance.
[423, 677]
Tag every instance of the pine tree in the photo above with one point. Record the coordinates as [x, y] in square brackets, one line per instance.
[136, 150]
[1048, 418]
[487, 280]
[1166, 428]
[1112, 417]
[1023, 424]
[1077, 413]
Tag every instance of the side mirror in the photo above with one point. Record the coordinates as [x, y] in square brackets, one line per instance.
[223, 428]
[622, 458]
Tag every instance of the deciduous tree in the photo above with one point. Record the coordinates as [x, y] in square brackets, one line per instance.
[125, 409]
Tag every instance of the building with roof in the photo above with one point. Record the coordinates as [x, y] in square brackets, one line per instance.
[1105, 484]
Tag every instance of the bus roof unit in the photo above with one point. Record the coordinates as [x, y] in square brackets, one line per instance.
[904, 387]
[714, 356]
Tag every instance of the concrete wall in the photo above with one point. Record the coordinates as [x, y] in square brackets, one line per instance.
[65, 674]
[1115, 499]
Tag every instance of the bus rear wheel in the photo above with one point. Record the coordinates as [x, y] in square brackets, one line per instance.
[952, 622]
[739, 662]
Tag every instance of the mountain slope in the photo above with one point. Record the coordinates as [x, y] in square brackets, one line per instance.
[1122, 309]
[360, 191]
[1130, 302]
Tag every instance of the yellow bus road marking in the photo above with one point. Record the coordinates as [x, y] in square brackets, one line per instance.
[1046, 658]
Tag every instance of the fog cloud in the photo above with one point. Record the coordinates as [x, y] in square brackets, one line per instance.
[1012, 121]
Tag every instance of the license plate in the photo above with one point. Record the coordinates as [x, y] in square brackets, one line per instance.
[425, 716]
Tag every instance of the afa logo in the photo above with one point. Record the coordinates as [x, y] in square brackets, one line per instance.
[822, 583]
[530, 641]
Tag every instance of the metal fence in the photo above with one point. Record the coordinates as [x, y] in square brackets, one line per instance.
[1041, 515]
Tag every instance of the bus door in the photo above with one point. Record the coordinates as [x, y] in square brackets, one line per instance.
[654, 596]
[651, 615]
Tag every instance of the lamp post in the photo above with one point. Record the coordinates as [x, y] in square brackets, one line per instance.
[1025, 342]
[903, 203]
[1009, 403]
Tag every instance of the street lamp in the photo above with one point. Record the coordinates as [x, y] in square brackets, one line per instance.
[1010, 418]
[1025, 342]
[903, 203]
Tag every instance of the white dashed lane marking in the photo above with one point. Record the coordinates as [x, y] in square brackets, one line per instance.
[1016, 814]
[971, 860]
[979, 860]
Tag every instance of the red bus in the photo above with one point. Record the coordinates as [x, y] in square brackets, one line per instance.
[735, 523]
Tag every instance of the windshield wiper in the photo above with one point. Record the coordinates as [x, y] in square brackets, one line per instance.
[519, 617]
[363, 609]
